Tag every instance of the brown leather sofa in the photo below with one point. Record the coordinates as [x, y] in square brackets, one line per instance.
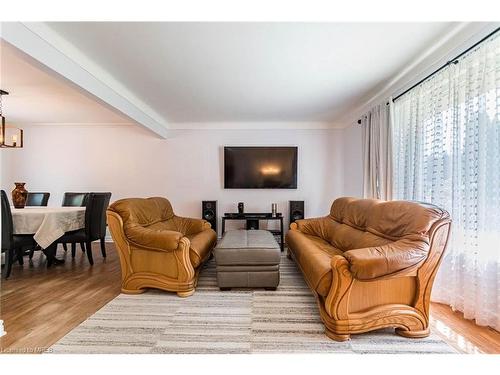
[371, 264]
[157, 248]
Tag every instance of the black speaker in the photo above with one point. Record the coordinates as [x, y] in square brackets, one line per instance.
[296, 210]
[209, 213]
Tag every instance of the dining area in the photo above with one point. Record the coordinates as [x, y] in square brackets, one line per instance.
[31, 224]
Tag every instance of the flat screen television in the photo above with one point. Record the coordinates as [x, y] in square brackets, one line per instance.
[260, 167]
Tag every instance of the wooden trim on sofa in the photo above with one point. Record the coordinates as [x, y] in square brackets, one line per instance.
[338, 310]
[182, 280]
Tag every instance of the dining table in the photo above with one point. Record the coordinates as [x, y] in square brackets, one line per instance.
[47, 224]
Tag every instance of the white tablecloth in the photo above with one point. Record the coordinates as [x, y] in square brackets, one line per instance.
[47, 223]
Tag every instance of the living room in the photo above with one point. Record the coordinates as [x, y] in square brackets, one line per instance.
[249, 187]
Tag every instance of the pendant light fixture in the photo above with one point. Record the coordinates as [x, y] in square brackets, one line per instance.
[10, 136]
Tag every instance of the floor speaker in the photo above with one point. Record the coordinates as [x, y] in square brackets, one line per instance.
[296, 210]
[209, 213]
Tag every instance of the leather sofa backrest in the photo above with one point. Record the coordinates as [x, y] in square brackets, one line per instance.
[369, 222]
[143, 211]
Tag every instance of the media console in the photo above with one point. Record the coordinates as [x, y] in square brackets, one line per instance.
[252, 222]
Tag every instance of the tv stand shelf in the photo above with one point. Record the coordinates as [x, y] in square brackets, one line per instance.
[252, 219]
[254, 215]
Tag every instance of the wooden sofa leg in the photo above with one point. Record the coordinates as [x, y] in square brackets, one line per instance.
[186, 293]
[336, 336]
[413, 334]
[133, 291]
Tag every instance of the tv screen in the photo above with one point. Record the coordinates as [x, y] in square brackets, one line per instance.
[260, 167]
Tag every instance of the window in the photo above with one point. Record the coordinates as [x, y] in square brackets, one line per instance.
[446, 142]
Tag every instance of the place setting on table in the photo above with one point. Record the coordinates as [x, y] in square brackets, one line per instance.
[31, 225]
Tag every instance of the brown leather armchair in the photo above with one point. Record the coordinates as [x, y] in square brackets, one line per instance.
[157, 248]
[371, 264]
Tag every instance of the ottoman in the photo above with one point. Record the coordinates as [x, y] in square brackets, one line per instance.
[247, 259]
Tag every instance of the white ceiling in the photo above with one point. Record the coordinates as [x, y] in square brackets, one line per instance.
[40, 96]
[216, 72]
[251, 72]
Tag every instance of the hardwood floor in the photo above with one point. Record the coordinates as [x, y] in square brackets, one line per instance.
[463, 334]
[39, 305]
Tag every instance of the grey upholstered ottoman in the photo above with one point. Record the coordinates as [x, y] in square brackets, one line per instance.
[248, 259]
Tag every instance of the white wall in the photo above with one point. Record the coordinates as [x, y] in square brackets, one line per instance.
[186, 168]
[353, 163]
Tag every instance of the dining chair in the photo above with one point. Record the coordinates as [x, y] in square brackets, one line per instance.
[12, 244]
[74, 200]
[95, 219]
[37, 199]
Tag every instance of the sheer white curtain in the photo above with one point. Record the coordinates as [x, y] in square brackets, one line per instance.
[447, 151]
[377, 152]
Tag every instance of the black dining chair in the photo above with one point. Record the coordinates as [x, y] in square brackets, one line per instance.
[37, 199]
[95, 219]
[12, 244]
[74, 200]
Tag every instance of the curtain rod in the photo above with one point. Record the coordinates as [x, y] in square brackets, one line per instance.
[452, 61]
[359, 121]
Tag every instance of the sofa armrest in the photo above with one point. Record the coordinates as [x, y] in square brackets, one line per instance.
[187, 225]
[164, 240]
[318, 226]
[396, 258]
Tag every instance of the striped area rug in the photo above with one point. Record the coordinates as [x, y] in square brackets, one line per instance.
[237, 321]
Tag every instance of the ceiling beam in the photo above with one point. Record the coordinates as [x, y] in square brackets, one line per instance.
[37, 44]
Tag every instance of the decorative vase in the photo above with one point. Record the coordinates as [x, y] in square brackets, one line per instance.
[19, 195]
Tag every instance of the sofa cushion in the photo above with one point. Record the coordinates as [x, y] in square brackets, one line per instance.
[346, 237]
[313, 254]
[154, 235]
[353, 212]
[142, 211]
[188, 226]
[399, 219]
[164, 225]
[322, 227]
[375, 261]
[161, 240]
[337, 210]
[201, 244]
[389, 219]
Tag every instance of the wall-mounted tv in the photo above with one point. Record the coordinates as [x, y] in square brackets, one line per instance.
[260, 167]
